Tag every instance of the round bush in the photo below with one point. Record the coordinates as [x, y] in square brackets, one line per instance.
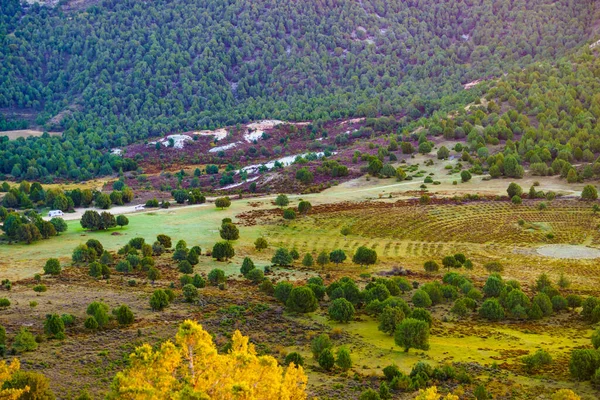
[216, 276]
[421, 299]
[190, 292]
[341, 310]
[52, 267]
[326, 360]
[295, 358]
[491, 310]
[255, 275]
[302, 300]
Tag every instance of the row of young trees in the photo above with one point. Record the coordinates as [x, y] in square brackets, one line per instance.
[29, 195]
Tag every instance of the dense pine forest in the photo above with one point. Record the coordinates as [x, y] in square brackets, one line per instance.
[123, 71]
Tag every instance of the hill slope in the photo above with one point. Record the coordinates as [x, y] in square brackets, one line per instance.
[125, 70]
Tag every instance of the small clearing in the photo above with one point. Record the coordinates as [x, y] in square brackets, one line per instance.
[24, 133]
[218, 134]
[256, 129]
[569, 251]
[233, 185]
[224, 147]
[285, 161]
[178, 141]
[470, 85]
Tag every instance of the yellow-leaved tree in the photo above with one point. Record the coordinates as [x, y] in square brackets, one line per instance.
[565, 394]
[191, 368]
[6, 373]
[431, 393]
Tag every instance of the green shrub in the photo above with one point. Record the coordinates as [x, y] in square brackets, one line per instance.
[190, 292]
[185, 267]
[343, 359]
[319, 344]
[421, 299]
[124, 315]
[282, 291]
[369, 394]
[68, 319]
[247, 266]
[301, 300]
[559, 303]
[391, 371]
[584, 363]
[99, 311]
[159, 300]
[326, 360]
[52, 267]
[535, 361]
[412, 333]
[256, 275]
[54, 326]
[185, 280]
[459, 308]
[295, 358]
[389, 319]
[198, 281]
[491, 310]
[422, 315]
[91, 323]
[595, 338]
[41, 288]
[24, 341]
[341, 310]
[266, 286]
[216, 276]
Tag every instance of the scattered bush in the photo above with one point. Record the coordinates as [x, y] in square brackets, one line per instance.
[24, 341]
[256, 275]
[341, 310]
[52, 267]
[320, 344]
[216, 276]
[412, 333]
[123, 315]
[295, 358]
[190, 292]
[159, 300]
[535, 361]
[301, 300]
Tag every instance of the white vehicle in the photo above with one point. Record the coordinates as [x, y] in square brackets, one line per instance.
[139, 207]
[55, 213]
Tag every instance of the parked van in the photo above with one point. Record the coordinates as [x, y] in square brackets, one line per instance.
[55, 213]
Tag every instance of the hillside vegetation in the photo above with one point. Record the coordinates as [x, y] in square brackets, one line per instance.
[544, 117]
[122, 71]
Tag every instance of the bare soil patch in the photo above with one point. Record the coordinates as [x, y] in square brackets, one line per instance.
[569, 251]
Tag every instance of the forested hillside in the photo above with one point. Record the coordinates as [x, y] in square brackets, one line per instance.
[544, 116]
[126, 70]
